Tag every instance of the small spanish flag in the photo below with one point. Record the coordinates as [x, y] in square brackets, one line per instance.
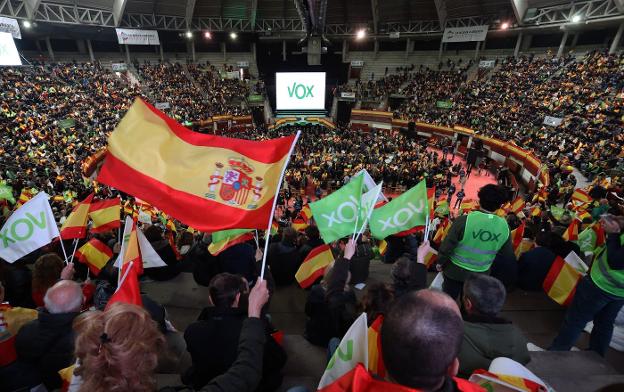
[306, 213]
[75, 225]
[468, 205]
[581, 196]
[517, 205]
[105, 215]
[299, 224]
[541, 195]
[274, 228]
[584, 216]
[516, 236]
[442, 231]
[375, 359]
[383, 247]
[571, 233]
[24, 196]
[525, 246]
[129, 290]
[221, 240]
[499, 382]
[314, 265]
[561, 280]
[431, 200]
[431, 257]
[67, 374]
[95, 254]
[535, 211]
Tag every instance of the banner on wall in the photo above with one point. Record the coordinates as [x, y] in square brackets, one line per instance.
[553, 121]
[162, 105]
[465, 34]
[119, 67]
[242, 64]
[347, 94]
[357, 63]
[486, 64]
[9, 25]
[137, 37]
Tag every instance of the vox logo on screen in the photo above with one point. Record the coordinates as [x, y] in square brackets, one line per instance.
[300, 91]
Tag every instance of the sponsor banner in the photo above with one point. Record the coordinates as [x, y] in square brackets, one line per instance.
[119, 67]
[300, 90]
[8, 25]
[465, 34]
[8, 52]
[347, 94]
[553, 121]
[229, 75]
[357, 63]
[137, 37]
[255, 98]
[486, 64]
[162, 105]
[395, 34]
[444, 104]
[242, 64]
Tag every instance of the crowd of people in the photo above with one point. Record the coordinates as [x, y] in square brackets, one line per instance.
[586, 93]
[58, 115]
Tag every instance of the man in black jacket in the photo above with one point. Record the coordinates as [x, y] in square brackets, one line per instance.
[284, 258]
[213, 339]
[47, 344]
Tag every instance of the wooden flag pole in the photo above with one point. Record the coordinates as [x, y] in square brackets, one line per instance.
[279, 185]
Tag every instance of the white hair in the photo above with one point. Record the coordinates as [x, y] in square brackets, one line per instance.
[64, 297]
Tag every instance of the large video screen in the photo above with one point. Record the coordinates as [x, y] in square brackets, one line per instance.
[8, 51]
[300, 90]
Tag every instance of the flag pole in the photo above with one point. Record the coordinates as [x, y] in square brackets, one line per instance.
[279, 185]
[256, 238]
[357, 217]
[370, 213]
[74, 252]
[63, 248]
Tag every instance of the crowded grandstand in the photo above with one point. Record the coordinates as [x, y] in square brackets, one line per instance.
[309, 195]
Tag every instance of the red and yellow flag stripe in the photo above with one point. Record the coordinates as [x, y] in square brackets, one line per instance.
[95, 254]
[375, 358]
[314, 265]
[561, 280]
[75, 225]
[105, 215]
[208, 182]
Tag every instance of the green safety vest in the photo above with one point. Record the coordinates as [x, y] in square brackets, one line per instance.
[484, 235]
[609, 280]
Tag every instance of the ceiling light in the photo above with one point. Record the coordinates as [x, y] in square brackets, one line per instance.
[233, 35]
[576, 18]
[360, 34]
[189, 34]
[505, 26]
[207, 35]
[27, 24]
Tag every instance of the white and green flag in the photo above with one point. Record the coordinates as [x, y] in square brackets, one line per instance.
[336, 214]
[369, 199]
[403, 213]
[353, 349]
[27, 229]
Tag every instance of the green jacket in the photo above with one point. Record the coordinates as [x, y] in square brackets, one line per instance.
[486, 338]
[454, 236]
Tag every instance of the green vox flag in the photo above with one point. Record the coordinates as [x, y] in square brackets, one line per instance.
[403, 213]
[6, 193]
[335, 215]
[557, 212]
[587, 240]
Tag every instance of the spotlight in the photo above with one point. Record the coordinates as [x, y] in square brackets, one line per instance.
[27, 24]
[189, 34]
[233, 35]
[360, 34]
[576, 18]
[207, 35]
[505, 26]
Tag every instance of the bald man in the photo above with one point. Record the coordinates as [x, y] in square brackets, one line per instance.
[420, 340]
[47, 344]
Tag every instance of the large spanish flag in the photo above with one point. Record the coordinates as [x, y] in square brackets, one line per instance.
[105, 215]
[95, 254]
[314, 265]
[561, 280]
[205, 181]
[75, 225]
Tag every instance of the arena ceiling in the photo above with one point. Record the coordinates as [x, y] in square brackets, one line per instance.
[334, 17]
